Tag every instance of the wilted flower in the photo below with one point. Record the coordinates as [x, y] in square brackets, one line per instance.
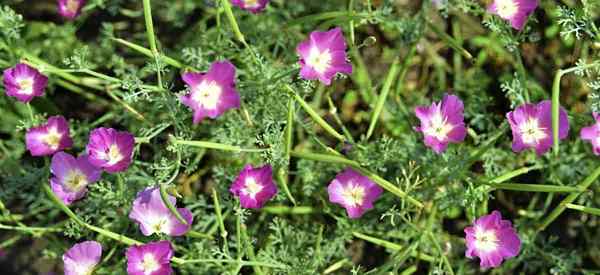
[492, 239]
[153, 216]
[24, 82]
[70, 9]
[442, 123]
[253, 6]
[49, 138]
[254, 186]
[82, 258]
[211, 93]
[323, 55]
[110, 149]
[150, 259]
[514, 11]
[592, 134]
[531, 126]
[72, 176]
[353, 191]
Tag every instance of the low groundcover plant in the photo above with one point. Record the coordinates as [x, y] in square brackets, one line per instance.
[299, 137]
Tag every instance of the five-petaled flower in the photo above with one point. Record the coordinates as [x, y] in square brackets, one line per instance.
[531, 126]
[153, 216]
[211, 93]
[110, 149]
[254, 186]
[492, 239]
[442, 123]
[253, 6]
[323, 55]
[150, 259]
[514, 11]
[82, 258]
[49, 138]
[72, 176]
[70, 9]
[592, 134]
[24, 82]
[353, 191]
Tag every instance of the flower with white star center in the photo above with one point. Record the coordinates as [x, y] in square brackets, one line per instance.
[492, 239]
[531, 132]
[253, 6]
[251, 187]
[71, 176]
[354, 192]
[154, 217]
[110, 149]
[442, 123]
[24, 82]
[592, 134]
[320, 61]
[149, 263]
[207, 94]
[323, 55]
[438, 126]
[70, 9]
[153, 258]
[254, 186]
[49, 138]
[514, 11]
[82, 258]
[507, 8]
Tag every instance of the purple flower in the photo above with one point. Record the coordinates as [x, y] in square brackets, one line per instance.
[211, 93]
[24, 82]
[72, 176]
[323, 55]
[150, 259]
[514, 11]
[110, 149]
[254, 186]
[492, 239]
[442, 123]
[49, 138]
[82, 258]
[70, 9]
[353, 191]
[592, 134]
[153, 216]
[531, 126]
[253, 6]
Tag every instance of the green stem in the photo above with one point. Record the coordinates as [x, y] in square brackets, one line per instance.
[234, 25]
[215, 145]
[387, 85]
[286, 210]
[449, 40]
[244, 263]
[30, 110]
[515, 173]
[150, 27]
[220, 221]
[390, 245]
[535, 187]
[440, 252]
[585, 209]
[149, 53]
[165, 198]
[31, 229]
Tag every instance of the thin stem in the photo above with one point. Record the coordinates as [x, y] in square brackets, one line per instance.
[234, 25]
[244, 263]
[220, 221]
[449, 40]
[165, 198]
[440, 252]
[387, 85]
[515, 173]
[150, 27]
[149, 53]
[215, 145]
[30, 110]
[286, 210]
[535, 187]
[585, 209]
[390, 245]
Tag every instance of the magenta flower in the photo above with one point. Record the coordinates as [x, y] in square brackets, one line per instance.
[253, 6]
[353, 191]
[254, 186]
[110, 149]
[150, 259]
[153, 216]
[24, 82]
[514, 11]
[531, 126]
[211, 93]
[49, 138]
[72, 176]
[492, 239]
[442, 123]
[82, 258]
[70, 9]
[323, 55]
[592, 134]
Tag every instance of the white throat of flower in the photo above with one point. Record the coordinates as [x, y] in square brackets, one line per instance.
[84, 268]
[76, 180]
[251, 187]
[159, 224]
[112, 155]
[531, 132]
[485, 240]
[149, 264]
[353, 194]
[52, 138]
[251, 3]
[72, 6]
[438, 126]
[507, 8]
[207, 94]
[25, 85]
[320, 61]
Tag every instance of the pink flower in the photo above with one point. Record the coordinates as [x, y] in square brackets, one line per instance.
[514, 11]
[150, 259]
[353, 191]
[253, 6]
[70, 9]
[442, 123]
[82, 258]
[492, 239]
[153, 216]
[49, 138]
[592, 134]
[531, 126]
[72, 176]
[323, 55]
[254, 186]
[211, 93]
[110, 149]
[24, 82]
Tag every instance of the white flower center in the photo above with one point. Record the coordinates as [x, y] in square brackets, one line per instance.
[531, 132]
[485, 240]
[75, 180]
[52, 138]
[149, 264]
[251, 3]
[160, 225]
[84, 269]
[251, 187]
[319, 61]
[507, 8]
[72, 6]
[112, 155]
[207, 94]
[438, 127]
[353, 194]
[25, 85]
